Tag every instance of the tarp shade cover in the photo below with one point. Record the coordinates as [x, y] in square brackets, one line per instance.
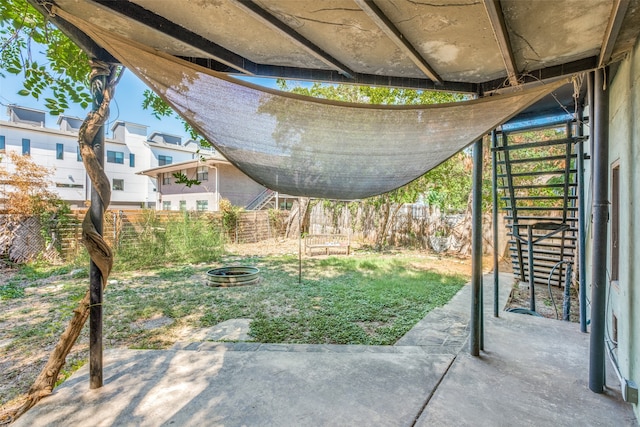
[303, 146]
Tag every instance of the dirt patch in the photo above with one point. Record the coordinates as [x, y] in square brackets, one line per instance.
[264, 248]
[441, 263]
[548, 300]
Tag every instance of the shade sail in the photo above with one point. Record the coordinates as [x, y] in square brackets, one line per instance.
[309, 147]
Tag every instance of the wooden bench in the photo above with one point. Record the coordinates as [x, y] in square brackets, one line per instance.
[326, 242]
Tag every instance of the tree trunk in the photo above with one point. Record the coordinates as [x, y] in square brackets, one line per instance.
[391, 222]
[98, 249]
[462, 232]
[293, 229]
[382, 226]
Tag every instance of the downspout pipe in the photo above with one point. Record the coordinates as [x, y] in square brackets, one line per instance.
[600, 211]
[476, 339]
[582, 256]
[217, 188]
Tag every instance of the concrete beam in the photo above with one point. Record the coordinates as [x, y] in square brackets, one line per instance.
[165, 26]
[618, 11]
[494, 11]
[381, 20]
[272, 22]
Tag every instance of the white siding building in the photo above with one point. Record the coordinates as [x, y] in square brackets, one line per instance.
[127, 152]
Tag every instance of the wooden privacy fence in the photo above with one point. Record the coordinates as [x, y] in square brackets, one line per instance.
[122, 227]
[410, 225]
[22, 239]
[415, 226]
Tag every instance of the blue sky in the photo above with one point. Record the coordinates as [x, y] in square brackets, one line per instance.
[127, 104]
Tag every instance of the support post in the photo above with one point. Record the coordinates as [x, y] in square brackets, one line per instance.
[582, 256]
[494, 196]
[476, 343]
[299, 242]
[95, 276]
[600, 212]
[532, 285]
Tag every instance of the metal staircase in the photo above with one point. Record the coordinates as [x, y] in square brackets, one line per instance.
[261, 200]
[538, 181]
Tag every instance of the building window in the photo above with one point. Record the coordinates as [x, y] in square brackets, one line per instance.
[2, 146]
[118, 185]
[60, 151]
[203, 173]
[115, 157]
[164, 160]
[78, 154]
[202, 205]
[132, 160]
[183, 205]
[166, 179]
[166, 206]
[26, 147]
[66, 185]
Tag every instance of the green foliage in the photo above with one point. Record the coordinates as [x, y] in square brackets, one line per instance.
[158, 107]
[230, 215]
[190, 238]
[52, 220]
[27, 274]
[23, 30]
[448, 185]
[539, 166]
[276, 219]
[181, 178]
[371, 95]
[11, 290]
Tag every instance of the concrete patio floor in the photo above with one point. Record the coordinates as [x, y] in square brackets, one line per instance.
[534, 372]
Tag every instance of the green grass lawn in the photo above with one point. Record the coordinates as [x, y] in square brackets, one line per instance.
[362, 299]
[370, 300]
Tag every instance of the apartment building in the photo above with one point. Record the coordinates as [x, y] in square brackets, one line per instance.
[140, 166]
[128, 150]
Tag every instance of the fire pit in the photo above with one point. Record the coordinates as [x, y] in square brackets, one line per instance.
[233, 276]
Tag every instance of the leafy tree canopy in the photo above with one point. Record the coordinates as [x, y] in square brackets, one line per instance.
[371, 94]
[27, 37]
[28, 192]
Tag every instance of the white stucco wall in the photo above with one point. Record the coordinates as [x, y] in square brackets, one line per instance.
[67, 171]
[624, 140]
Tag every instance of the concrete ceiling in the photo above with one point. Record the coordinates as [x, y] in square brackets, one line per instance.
[465, 45]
